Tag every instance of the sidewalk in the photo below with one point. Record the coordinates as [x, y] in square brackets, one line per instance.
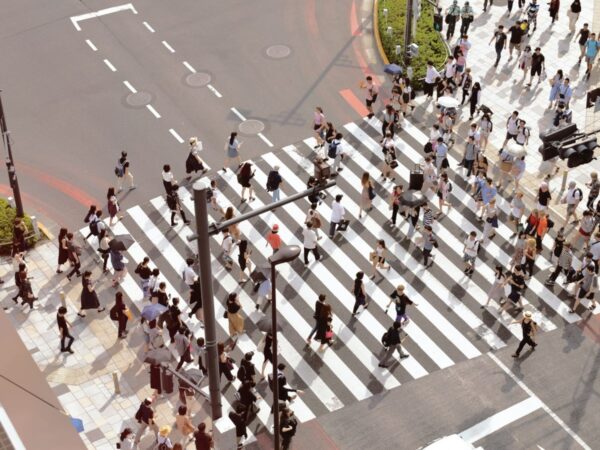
[83, 381]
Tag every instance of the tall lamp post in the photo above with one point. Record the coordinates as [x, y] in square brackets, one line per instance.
[10, 164]
[283, 255]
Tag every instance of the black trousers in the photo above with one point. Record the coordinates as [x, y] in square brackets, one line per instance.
[332, 227]
[66, 336]
[464, 26]
[186, 357]
[426, 255]
[122, 324]
[590, 202]
[529, 263]
[473, 107]
[428, 89]
[358, 300]
[196, 307]
[105, 260]
[464, 96]
[181, 213]
[554, 275]
[450, 30]
[510, 5]
[525, 340]
[395, 209]
[286, 441]
[387, 126]
[75, 269]
[315, 252]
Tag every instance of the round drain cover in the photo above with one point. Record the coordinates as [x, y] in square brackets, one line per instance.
[199, 79]
[251, 126]
[139, 99]
[278, 51]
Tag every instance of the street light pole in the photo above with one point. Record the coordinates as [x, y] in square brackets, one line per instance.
[210, 324]
[10, 164]
[283, 255]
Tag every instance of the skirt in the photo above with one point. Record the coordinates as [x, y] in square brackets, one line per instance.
[236, 323]
[496, 292]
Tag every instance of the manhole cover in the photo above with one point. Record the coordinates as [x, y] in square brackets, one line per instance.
[199, 79]
[139, 99]
[278, 51]
[251, 126]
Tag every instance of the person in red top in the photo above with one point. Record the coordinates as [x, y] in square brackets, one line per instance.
[273, 238]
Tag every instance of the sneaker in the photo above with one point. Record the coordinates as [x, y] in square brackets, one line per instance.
[515, 355]
[383, 365]
[404, 355]
[549, 283]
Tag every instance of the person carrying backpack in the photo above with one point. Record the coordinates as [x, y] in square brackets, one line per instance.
[392, 340]
[335, 151]
[145, 417]
[122, 171]
[274, 181]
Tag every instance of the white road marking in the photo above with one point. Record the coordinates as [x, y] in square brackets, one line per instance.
[147, 25]
[214, 91]
[110, 66]
[501, 419]
[166, 44]
[91, 44]
[129, 86]
[176, 135]
[237, 113]
[103, 12]
[153, 111]
[189, 67]
[268, 142]
[551, 413]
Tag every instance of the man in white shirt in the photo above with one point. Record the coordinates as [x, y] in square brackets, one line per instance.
[336, 143]
[310, 243]
[372, 92]
[430, 79]
[168, 178]
[572, 199]
[511, 127]
[450, 70]
[517, 209]
[337, 215]
[470, 253]
[523, 133]
[227, 247]
[189, 275]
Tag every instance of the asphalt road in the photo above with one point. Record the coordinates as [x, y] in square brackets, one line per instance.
[70, 114]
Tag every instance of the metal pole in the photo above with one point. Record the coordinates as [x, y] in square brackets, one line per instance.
[408, 31]
[10, 164]
[210, 324]
[275, 363]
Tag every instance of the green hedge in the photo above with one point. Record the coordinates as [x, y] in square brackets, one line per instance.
[431, 45]
[7, 218]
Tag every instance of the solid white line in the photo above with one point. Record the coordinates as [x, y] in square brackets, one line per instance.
[529, 392]
[176, 135]
[153, 111]
[110, 66]
[214, 91]
[501, 419]
[102, 12]
[91, 44]
[237, 113]
[147, 25]
[75, 24]
[129, 86]
[268, 142]
[166, 44]
[189, 67]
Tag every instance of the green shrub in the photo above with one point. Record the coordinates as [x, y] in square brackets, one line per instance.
[431, 44]
[7, 218]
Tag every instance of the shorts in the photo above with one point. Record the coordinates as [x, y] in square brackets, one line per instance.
[469, 259]
[371, 101]
[514, 296]
[584, 294]
[514, 218]
[537, 70]
[459, 69]
[510, 136]
[227, 258]
[590, 59]
[571, 209]
[585, 234]
[513, 45]
[316, 126]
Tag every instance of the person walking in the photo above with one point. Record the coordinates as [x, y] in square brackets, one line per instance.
[471, 245]
[529, 328]
[310, 243]
[532, 11]
[443, 191]
[74, 253]
[145, 419]
[234, 229]
[525, 61]
[554, 6]
[63, 329]
[360, 293]
[372, 90]
[555, 84]
[485, 129]
[89, 297]
[123, 170]
[126, 440]
[516, 280]
[389, 120]
[429, 242]
[174, 204]
[238, 417]
[266, 347]
[235, 319]
[572, 198]
[319, 124]
[194, 163]
[496, 292]
[184, 424]
[491, 221]
[585, 288]
[393, 341]
[582, 36]
[516, 36]
[367, 194]
[474, 99]
[196, 301]
[168, 178]
[466, 14]
[389, 163]
[118, 262]
[530, 255]
[500, 43]
[395, 199]
[335, 151]
[203, 439]
[517, 209]
[232, 149]
[538, 65]
[466, 81]
[324, 327]
[120, 314]
[244, 178]
[564, 263]
[244, 260]
[594, 186]
[112, 206]
[273, 238]
[144, 271]
[586, 228]
[225, 362]
[377, 257]
[314, 218]
[287, 428]
[274, 182]
[337, 215]
[431, 77]
[63, 249]
[163, 441]
[573, 14]
[248, 399]
[401, 301]
[317, 314]
[452, 16]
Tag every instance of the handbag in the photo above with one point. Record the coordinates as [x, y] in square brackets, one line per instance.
[371, 193]
[505, 166]
[229, 363]
[394, 164]
[343, 225]
[225, 315]
[372, 256]
[128, 313]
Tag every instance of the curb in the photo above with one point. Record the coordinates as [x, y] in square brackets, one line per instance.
[382, 54]
[45, 231]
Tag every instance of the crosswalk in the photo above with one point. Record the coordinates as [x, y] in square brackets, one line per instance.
[447, 325]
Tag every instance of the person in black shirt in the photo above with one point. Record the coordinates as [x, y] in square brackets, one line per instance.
[63, 329]
[161, 294]
[144, 271]
[584, 34]
[145, 417]
[500, 38]
[537, 65]
[238, 417]
[543, 197]
[517, 284]
[248, 399]
[401, 301]
[318, 305]
[529, 328]
[395, 336]
[516, 34]
[360, 294]
[287, 428]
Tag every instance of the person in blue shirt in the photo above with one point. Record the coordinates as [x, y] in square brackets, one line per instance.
[488, 193]
[591, 51]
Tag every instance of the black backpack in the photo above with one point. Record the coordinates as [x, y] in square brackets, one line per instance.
[385, 339]
[272, 181]
[114, 313]
[94, 227]
[332, 149]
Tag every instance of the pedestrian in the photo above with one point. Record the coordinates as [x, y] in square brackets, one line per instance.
[572, 197]
[282, 385]
[196, 301]
[372, 90]
[573, 13]
[485, 128]
[474, 99]
[491, 221]
[395, 198]
[441, 153]
[25, 290]
[120, 314]
[500, 40]
[466, 14]
[466, 81]
[516, 35]
[509, 6]
[367, 194]
[63, 329]
[314, 218]
[471, 246]
[543, 225]
[153, 281]
[517, 209]
[244, 260]
[337, 215]
[497, 292]
[213, 198]
[189, 274]
[63, 249]
[118, 262]
[145, 418]
[443, 191]
[225, 362]
[401, 301]
[264, 292]
[184, 425]
[234, 230]
[429, 174]
[244, 178]
[594, 186]
[488, 193]
[238, 417]
[452, 16]
[555, 83]
[378, 256]
[267, 350]
[317, 315]
[248, 399]
[274, 182]
[163, 442]
[525, 61]
[172, 318]
[532, 222]
[112, 206]
[529, 328]
[235, 319]
[123, 170]
[583, 34]
[565, 93]
[523, 133]
[485, 4]
[532, 12]
[392, 340]
[429, 242]
[530, 255]
[183, 345]
[325, 328]
[310, 243]
[202, 438]
[565, 260]
[126, 440]
[89, 297]
[585, 288]
[319, 124]
[246, 371]
[389, 163]
[516, 280]
[517, 171]
[144, 271]
[335, 151]
[287, 428]
[586, 228]
[450, 71]
[20, 268]
[554, 6]
[559, 243]
[232, 149]
[388, 121]
[273, 238]
[360, 293]
[168, 178]
[412, 217]
[544, 196]
[194, 163]
[175, 206]
[538, 66]
[74, 253]
[431, 75]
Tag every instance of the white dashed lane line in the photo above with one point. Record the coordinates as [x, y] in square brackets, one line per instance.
[129, 86]
[176, 135]
[214, 91]
[237, 113]
[110, 66]
[266, 141]
[153, 111]
[91, 44]
[150, 29]
[189, 67]
[166, 44]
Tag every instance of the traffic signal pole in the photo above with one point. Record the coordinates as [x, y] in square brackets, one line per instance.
[10, 164]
